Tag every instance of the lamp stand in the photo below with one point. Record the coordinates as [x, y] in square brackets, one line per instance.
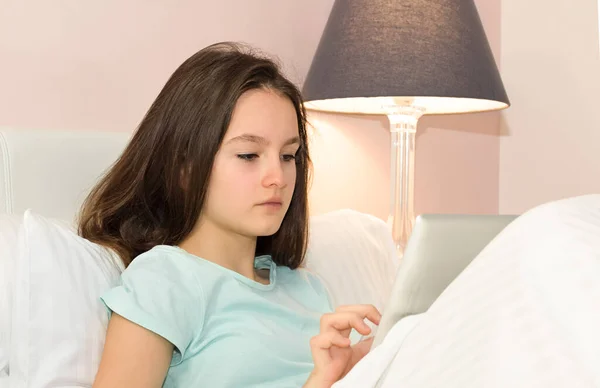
[403, 127]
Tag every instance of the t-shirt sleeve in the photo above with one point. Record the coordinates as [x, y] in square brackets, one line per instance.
[160, 294]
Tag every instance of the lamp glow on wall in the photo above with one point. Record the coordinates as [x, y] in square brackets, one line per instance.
[404, 59]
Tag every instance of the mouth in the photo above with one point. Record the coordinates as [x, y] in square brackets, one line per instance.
[272, 203]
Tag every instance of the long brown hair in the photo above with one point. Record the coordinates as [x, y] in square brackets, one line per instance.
[140, 202]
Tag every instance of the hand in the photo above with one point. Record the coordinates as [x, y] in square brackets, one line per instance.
[331, 351]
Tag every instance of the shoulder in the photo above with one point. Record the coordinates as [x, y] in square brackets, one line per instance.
[315, 281]
[159, 291]
[161, 256]
[164, 261]
[163, 269]
[306, 281]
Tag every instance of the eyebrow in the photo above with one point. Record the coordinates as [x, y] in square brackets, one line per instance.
[261, 140]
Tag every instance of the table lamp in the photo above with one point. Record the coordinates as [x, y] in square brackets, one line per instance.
[403, 59]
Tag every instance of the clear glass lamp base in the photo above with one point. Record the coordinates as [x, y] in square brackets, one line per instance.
[403, 127]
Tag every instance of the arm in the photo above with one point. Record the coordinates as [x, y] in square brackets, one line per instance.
[133, 357]
[315, 382]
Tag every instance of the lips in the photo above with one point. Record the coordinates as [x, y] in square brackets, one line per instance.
[273, 205]
[273, 202]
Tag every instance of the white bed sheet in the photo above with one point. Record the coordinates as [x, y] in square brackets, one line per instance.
[525, 313]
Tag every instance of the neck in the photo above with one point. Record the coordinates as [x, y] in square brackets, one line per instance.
[225, 248]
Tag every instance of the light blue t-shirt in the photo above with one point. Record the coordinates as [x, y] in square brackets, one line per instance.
[228, 330]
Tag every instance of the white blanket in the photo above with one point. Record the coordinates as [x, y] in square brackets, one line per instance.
[525, 313]
[373, 366]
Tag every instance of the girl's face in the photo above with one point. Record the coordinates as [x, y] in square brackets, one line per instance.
[254, 172]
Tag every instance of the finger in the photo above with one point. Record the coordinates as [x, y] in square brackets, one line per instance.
[365, 310]
[328, 339]
[320, 345]
[360, 350]
[366, 343]
[344, 322]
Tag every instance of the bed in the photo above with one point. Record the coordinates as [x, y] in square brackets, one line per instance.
[44, 176]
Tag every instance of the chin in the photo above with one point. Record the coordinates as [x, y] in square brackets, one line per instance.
[268, 228]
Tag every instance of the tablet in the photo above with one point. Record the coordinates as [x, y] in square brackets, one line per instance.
[439, 249]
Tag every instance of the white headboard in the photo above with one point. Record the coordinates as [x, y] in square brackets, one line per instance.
[52, 171]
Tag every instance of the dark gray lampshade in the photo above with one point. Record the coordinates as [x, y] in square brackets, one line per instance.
[430, 53]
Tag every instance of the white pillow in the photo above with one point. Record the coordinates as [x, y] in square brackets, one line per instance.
[9, 230]
[58, 321]
[354, 255]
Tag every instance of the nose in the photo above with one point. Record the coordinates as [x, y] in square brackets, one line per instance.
[273, 174]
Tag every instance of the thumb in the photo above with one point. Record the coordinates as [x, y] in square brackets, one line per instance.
[366, 343]
[361, 349]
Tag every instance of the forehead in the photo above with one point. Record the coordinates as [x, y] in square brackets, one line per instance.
[263, 112]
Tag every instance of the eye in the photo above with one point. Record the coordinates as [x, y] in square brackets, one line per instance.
[247, 157]
[288, 158]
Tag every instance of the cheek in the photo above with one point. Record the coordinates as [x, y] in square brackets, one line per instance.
[291, 174]
[229, 182]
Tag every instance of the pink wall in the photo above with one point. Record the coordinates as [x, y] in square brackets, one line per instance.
[98, 65]
[550, 144]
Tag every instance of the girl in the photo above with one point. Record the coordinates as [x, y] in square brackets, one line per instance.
[207, 207]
